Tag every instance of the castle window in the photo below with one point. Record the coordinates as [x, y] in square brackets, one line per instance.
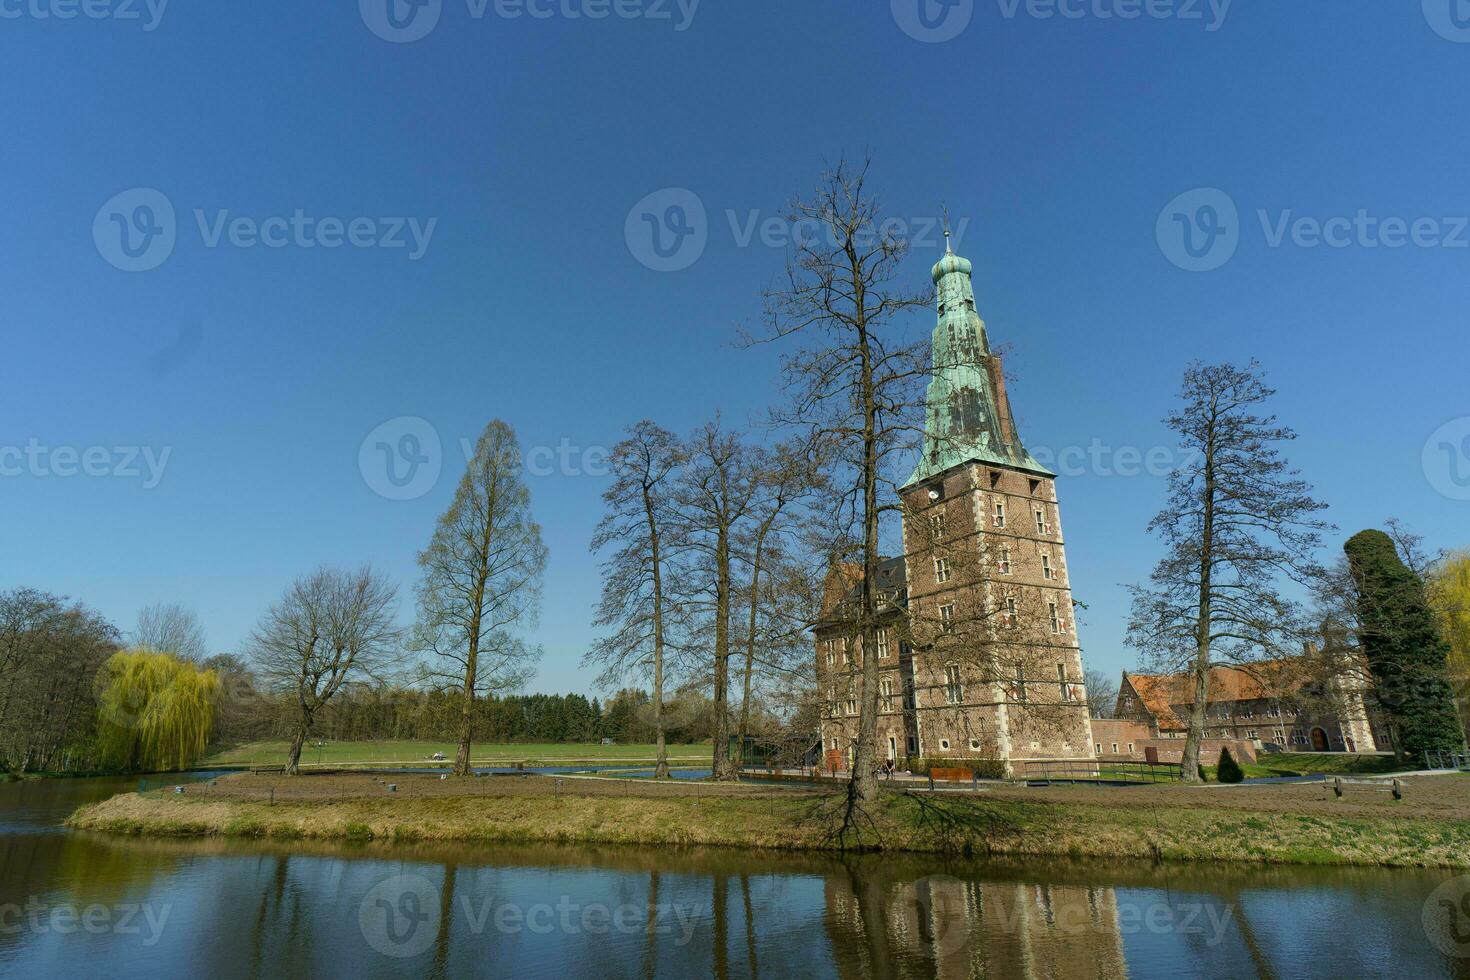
[1041, 526]
[1020, 683]
[885, 688]
[936, 527]
[882, 644]
[847, 649]
[944, 744]
[1099, 748]
[946, 617]
[831, 653]
[1115, 748]
[913, 744]
[1000, 513]
[1035, 486]
[1130, 748]
[1056, 623]
[852, 705]
[941, 570]
[1062, 680]
[1011, 614]
[1046, 571]
[1005, 561]
[954, 692]
[832, 700]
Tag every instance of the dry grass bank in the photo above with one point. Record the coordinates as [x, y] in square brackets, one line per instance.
[1280, 825]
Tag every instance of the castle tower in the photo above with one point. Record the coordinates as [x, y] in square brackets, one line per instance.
[976, 645]
[996, 667]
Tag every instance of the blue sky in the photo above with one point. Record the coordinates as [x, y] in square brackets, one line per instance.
[520, 146]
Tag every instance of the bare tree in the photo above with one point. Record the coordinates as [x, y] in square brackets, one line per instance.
[481, 581]
[1102, 693]
[169, 627]
[782, 595]
[717, 497]
[856, 382]
[636, 602]
[330, 628]
[1238, 521]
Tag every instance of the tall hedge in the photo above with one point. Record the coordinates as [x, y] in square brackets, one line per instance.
[1405, 652]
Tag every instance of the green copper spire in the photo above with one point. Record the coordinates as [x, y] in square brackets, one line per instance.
[968, 415]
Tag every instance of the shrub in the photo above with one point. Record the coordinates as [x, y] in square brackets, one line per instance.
[1204, 777]
[1228, 771]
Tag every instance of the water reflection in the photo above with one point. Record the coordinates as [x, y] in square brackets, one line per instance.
[229, 908]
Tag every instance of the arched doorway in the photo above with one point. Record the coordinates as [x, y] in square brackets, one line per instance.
[1319, 740]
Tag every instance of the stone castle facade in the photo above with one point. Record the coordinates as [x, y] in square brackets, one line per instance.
[978, 652]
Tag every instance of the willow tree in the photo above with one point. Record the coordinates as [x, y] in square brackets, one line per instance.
[481, 582]
[154, 711]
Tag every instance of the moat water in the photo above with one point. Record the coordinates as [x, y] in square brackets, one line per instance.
[82, 905]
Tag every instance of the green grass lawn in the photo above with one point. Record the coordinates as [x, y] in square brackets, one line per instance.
[360, 753]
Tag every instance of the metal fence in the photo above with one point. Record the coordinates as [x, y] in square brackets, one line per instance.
[1446, 760]
[1072, 771]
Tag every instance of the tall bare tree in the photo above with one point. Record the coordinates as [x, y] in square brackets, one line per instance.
[637, 604]
[1239, 521]
[856, 382]
[170, 627]
[330, 629]
[481, 581]
[1102, 693]
[717, 495]
[782, 593]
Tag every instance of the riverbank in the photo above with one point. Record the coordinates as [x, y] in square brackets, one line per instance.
[380, 753]
[1275, 824]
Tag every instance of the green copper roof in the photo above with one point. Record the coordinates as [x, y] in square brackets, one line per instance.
[962, 422]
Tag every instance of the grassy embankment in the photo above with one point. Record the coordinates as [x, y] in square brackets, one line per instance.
[1311, 763]
[1159, 823]
[337, 754]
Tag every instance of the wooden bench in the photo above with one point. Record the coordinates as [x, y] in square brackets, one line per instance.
[951, 775]
[257, 770]
[1341, 786]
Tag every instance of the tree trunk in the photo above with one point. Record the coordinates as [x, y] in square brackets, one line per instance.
[661, 761]
[723, 769]
[1189, 760]
[755, 584]
[864, 774]
[293, 760]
